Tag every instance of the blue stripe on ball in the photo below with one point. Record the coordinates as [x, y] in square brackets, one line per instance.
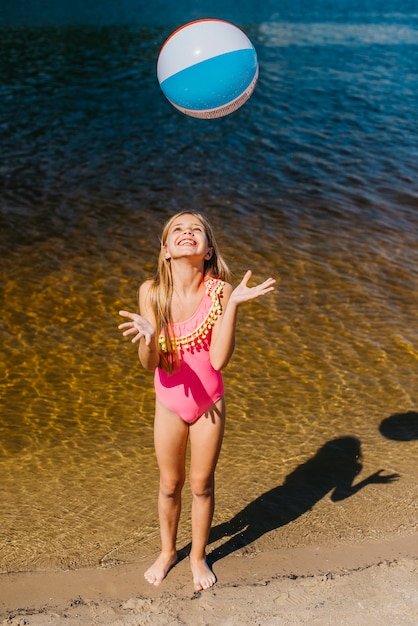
[212, 83]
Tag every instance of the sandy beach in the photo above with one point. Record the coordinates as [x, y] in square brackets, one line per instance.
[365, 583]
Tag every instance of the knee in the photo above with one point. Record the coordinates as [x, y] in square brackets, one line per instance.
[171, 487]
[202, 487]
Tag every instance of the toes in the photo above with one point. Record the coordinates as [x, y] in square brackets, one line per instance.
[206, 583]
[152, 580]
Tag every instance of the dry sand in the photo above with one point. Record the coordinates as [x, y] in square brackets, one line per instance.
[370, 584]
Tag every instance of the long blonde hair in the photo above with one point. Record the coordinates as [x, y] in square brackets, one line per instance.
[161, 290]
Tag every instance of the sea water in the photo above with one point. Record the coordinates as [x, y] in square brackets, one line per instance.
[313, 181]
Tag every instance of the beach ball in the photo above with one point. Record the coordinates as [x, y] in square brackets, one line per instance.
[207, 68]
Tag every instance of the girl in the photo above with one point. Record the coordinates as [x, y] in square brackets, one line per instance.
[186, 336]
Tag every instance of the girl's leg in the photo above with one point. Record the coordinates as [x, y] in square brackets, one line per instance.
[170, 439]
[206, 439]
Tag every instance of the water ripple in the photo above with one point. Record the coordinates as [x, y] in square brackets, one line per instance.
[313, 181]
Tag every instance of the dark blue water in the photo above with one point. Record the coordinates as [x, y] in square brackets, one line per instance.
[313, 180]
[332, 121]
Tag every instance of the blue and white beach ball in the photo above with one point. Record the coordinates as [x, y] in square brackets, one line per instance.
[207, 68]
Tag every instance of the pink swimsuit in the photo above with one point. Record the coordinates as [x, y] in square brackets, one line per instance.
[195, 385]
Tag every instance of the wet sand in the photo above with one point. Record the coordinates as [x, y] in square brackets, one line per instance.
[369, 583]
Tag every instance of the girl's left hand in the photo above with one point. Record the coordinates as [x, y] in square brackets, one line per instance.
[243, 293]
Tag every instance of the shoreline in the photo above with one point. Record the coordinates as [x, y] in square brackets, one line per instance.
[361, 583]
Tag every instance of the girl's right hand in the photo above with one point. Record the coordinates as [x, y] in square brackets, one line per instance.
[138, 326]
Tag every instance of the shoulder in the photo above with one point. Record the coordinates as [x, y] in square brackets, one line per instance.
[144, 293]
[217, 284]
[223, 288]
[227, 288]
[144, 289]
[226, 292]
[219, 289]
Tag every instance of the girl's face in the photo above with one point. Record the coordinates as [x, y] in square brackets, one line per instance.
[186, 237]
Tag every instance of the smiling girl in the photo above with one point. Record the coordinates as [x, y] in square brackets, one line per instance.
[186, 336]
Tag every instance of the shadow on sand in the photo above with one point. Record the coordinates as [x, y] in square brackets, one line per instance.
[333, 469]
[400, 426]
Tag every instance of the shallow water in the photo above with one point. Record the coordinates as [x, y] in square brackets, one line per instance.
[313, 181]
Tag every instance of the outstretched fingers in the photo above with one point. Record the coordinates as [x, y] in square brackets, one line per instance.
[243, 293]
[265, 287]
[137, 326]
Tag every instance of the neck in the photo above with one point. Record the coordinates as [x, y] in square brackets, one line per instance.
[187, 276]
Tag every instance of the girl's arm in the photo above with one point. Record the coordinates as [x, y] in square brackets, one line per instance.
[143, 328]
[223, 333]
[346, 490]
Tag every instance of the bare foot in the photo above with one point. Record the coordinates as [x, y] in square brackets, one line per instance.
[203, 577]
[160, 568]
